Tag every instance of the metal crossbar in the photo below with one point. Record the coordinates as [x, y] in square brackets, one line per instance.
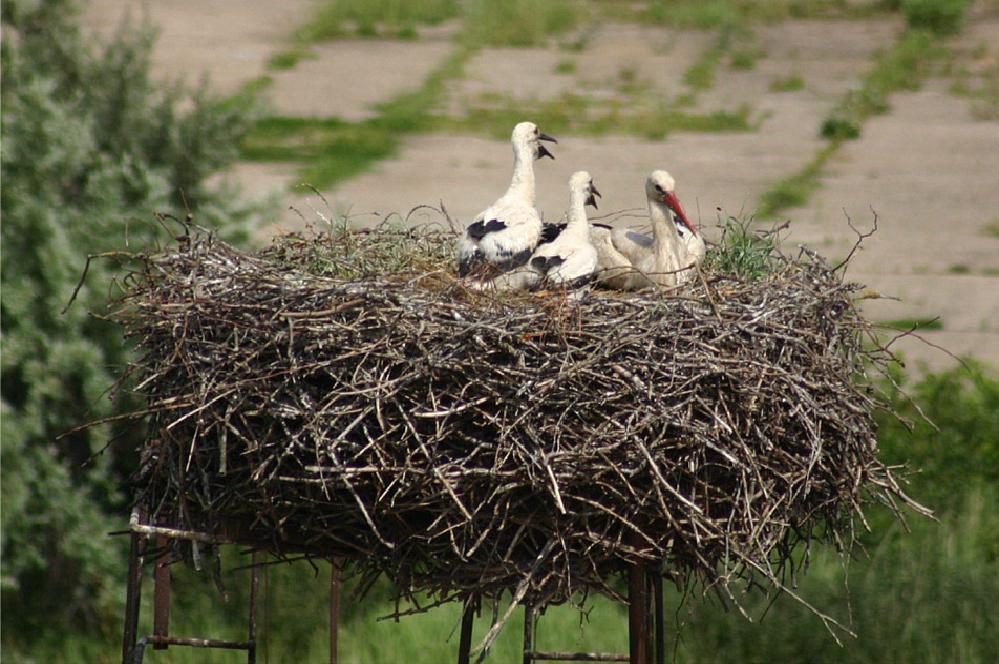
[133, 649]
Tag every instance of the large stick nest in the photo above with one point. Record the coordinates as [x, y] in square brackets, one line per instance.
[345, 396]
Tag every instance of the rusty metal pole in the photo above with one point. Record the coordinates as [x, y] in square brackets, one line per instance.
[334, 611]
[638, 603]
[133, 595]
[465, 642]
[251, 637]
[161, 594]
[528, 633]
[657, 593]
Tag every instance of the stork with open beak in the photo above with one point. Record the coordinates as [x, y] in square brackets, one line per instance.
[570, 260]
[503, 236]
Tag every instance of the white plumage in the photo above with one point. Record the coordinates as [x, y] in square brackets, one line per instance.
[570, 259]
[503, 236]
[630, 260]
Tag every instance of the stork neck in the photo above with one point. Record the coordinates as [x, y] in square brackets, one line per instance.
[664, 234]
[522, 184]
[577, 220]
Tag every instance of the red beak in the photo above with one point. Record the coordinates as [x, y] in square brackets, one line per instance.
[671, 201]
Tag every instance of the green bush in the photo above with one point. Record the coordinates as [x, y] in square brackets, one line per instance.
[92, 147]
[959, 443]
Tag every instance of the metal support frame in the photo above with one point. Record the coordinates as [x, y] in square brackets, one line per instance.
[643, 626]
[133, 648]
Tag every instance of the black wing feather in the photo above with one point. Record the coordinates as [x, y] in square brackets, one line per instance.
[546, 264]
[549, 232]
[480, 229]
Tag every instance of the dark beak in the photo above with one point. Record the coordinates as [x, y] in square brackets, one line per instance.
[594, 194]
[546, 137]
[543, 152]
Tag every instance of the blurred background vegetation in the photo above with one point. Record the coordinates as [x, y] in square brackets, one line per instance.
[93, 147]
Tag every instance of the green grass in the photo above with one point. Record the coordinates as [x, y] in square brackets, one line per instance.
[796, 189]
[288, 58]
[991, 229]
[941, 17]
[789, 83]
[744, 58]
[901, 67]
[743, 251]
[921, 324]
[959, 269]
[519, 22]
[332, 150]
[708, 14]
[565, 67]
[701, 75]
[580, 115]
[337, 18]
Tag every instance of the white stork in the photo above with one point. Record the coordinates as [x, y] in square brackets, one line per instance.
[570, 259]
[630, 260]
[503, 236]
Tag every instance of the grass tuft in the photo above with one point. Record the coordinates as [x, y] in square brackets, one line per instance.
[565, 67]
[743, 251]
[790, 83]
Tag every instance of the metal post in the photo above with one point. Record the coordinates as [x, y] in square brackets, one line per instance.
[657, 590]
[638, 604]
[334, 611]
[161, 594]
[528, 633]
[251, 637]
[465, 643]
[133, 593]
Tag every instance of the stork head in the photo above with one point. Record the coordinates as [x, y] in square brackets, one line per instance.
[582, 182]
[660, 187]
[528, 135]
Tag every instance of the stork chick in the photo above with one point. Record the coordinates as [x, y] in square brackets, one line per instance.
[503, 236]
[570, 260]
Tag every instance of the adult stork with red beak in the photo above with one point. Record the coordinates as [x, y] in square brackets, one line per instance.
[630, 260]
[503, 236]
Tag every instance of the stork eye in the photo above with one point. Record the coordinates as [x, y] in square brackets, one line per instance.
[658, 188]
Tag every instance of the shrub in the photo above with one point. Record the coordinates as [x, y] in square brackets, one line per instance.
[91, 148]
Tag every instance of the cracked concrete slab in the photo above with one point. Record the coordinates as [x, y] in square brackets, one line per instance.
[223, 39]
